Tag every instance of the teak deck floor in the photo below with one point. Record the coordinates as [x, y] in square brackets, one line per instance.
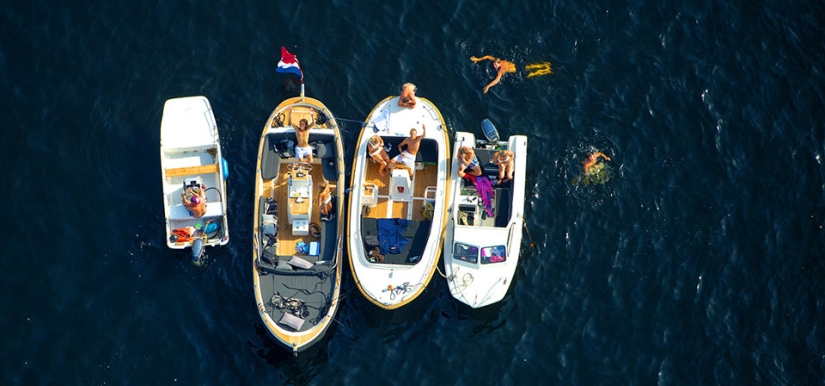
[385, 208]
[280, 189]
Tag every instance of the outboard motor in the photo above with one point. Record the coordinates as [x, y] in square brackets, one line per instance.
[490, 131]
[197, 252]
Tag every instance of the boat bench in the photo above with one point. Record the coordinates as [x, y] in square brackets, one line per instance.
[180, 212]
[191, 170]
[427, 151]
[282, 145]
[485, 160]
[416, 234]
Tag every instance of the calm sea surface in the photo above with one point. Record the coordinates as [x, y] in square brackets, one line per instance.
[701, 260]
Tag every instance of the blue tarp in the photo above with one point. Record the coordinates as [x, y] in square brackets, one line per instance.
[390, 237]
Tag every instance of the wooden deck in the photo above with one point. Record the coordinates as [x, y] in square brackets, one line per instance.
[385, 208]
[279, 191]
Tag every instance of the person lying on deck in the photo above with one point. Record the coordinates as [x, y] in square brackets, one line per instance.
[407, 98]
[375, 148]
[303, 152]
[468, 162]
[407, 156]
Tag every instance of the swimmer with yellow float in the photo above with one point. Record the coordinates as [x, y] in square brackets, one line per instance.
[503, 67]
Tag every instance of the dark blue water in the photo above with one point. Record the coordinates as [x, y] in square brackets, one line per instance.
[699, 262]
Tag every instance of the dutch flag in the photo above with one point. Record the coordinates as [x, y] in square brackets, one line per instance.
[289, 64]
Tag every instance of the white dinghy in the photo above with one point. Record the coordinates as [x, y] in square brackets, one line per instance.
[194, 174]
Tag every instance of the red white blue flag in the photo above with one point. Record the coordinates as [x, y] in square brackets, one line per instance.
[289, 64]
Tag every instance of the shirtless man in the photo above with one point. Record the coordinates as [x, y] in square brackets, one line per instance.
[375, 148]
[504, 159]
[303, 152]
[325, 201]
[502, 67]
[592, 160]
[467, 160]
[406, 158]
[407, 98]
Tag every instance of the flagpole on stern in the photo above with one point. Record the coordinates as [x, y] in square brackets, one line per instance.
[289, 65]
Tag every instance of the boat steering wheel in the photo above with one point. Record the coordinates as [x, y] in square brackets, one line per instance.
[299, 166]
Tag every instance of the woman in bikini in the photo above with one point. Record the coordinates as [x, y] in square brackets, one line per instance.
[375, 147]
[504, 159]
[468, 162]
[325, 201]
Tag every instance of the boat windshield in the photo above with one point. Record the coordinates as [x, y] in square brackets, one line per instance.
[495, 254]
[464, 252]
[489, 255]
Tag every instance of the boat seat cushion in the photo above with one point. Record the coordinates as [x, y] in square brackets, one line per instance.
[298, 262]
[270, 160]
[291, 321]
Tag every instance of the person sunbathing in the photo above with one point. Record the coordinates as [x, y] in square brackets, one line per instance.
[375, 148]
[407, 98]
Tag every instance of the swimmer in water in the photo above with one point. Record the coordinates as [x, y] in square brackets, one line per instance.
[595, 171]
[500, 65]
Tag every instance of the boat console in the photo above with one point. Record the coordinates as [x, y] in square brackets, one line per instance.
[300, 198]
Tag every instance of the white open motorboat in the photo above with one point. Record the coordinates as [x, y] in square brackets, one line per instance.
[396, 222]
[483, 240]
[193, 168]
[296, 254]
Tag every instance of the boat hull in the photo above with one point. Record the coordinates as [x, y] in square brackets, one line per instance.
[296, 271]
[483, 237]
[402, 218]
[190, 150]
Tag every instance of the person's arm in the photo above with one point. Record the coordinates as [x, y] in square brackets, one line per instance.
[312, 114]
[485, 57]
[495, 81]
[423, 131]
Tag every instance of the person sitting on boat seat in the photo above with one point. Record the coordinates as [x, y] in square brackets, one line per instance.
[325, 201]
[407, 156]
[407, 98]
[591, 163]
[303, 152]
[376, 150]
[194, 199]
[504, 159]
[468, 162]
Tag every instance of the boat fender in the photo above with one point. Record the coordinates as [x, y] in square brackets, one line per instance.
[225, 169]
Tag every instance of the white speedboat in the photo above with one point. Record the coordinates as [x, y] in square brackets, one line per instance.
[485, 221]
[396, 222]
[296, 254]
[194, 174]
